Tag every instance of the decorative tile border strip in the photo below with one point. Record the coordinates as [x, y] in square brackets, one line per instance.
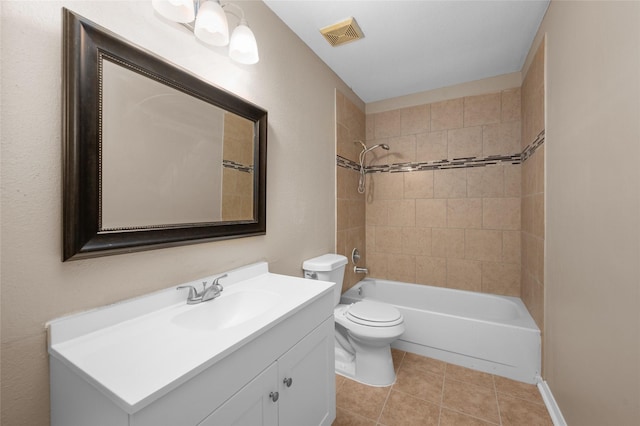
[347, 164]
[531, 148]
[237, 166]
[456, 163]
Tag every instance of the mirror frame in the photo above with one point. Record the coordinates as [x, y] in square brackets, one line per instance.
[84, 43]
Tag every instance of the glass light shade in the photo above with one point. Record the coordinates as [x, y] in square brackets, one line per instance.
[211, 24]
[243, 47]
[181, 11]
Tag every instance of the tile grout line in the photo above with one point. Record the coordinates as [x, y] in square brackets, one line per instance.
[390, 388]
[495, 391]
[444, 380]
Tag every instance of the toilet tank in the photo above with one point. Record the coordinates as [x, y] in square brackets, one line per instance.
[328, 267]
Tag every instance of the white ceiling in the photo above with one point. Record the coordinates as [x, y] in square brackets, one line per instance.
[414, 46]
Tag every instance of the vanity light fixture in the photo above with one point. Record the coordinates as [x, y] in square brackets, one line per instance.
[208, 21]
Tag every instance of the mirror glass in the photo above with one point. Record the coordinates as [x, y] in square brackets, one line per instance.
[153, 156]
[169, 158]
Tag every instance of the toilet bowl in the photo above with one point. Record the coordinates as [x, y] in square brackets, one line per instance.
[364, 330]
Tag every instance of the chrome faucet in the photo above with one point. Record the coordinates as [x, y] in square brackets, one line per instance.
[207, 293]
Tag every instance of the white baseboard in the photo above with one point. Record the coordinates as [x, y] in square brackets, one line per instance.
[550, 402]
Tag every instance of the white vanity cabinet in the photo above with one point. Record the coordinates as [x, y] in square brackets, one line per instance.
[140, 369]
[293, 391]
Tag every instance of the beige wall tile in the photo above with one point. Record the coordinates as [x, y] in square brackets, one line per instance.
[370, 127]
[385, 186]
[415, 119]
[486, 181]
[464, 213]
[501, 213]
[464, 143]
[482, 244]
[538, 215]
[431, 213]
[526, 206]
[447, 242]
[431, 270]
[512, 180]
[356, 213]
[511, 242]
[511, 105]
[418, 184]
[370, 239]
[402, 213]
[464, 274]
[416, 241]
[501, 139]
[450, 183]
[377, 264]
[401, 267]
[482, 109]
[342, 207]
[388, 240]
[447, 114]
[501, 278]
[386, 124]
[431, 146]
[377, 212]
[533, 99]
[401, 149]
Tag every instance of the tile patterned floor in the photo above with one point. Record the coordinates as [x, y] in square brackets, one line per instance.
[430, 392]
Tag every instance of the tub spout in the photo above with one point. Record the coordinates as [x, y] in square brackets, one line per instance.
[359, 270]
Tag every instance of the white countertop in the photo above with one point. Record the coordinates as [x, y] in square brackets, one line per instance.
[141, 354]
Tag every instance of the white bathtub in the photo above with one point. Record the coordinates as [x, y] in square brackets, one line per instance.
[486, 332]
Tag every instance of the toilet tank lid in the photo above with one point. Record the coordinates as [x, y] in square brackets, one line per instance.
[326, 262]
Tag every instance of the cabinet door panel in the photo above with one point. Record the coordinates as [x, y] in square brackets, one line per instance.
[310, 398]
[252, 405]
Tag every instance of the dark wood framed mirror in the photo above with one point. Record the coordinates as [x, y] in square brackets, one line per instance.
[153, 155]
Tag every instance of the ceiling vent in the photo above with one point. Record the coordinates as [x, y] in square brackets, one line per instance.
[342, 32]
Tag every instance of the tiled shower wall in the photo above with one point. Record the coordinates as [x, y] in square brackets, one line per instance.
[533, 219]
[350, 123]
[448, 212]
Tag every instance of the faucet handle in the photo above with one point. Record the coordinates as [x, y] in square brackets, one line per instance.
[217, 284]
[193, 293]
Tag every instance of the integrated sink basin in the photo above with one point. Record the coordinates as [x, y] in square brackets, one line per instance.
[228, 310]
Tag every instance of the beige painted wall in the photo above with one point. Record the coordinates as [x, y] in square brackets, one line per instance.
[592, 276]
[290, 82]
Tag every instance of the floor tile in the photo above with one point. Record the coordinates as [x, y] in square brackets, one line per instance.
[426, 386]
[451, 418]
[519, 389]
[405, 410]
[347, 418]
[339, 381]
[468, 375]
[422, 363]
[517, 412]
[366, 401]
[397, 356]
[477, 401]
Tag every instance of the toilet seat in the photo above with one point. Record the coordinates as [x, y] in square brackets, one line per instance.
[373, 314]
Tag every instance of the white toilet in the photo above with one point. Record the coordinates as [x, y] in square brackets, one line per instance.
[364, 330]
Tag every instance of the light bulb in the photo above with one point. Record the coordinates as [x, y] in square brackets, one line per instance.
[211, 24]
[243, 47]
[181, 11]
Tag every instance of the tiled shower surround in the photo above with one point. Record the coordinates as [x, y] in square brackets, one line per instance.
[447, 212]
[458, 200]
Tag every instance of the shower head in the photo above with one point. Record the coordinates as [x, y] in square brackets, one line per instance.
[380, 145]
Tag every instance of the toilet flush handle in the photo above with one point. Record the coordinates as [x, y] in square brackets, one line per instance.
[312, 275]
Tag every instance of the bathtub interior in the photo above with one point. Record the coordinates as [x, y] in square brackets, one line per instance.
[490, 333]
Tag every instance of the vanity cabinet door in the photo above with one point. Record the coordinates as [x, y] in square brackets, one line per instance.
[253, 404]
[307, 380]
